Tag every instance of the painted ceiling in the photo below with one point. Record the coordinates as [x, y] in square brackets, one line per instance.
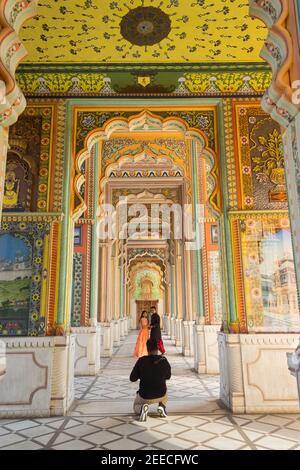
[143, 31]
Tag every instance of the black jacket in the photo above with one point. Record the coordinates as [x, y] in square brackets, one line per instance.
[153, 371]
[155, 332]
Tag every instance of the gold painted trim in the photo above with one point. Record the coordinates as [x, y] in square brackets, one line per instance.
[32, 217]
[269, 214]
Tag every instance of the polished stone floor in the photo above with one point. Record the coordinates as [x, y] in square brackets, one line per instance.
[102, 417]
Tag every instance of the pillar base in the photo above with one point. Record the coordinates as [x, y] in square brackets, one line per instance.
[168, 325]
[188, 337]
[117, 333]
[122, 328]
[206, 349]
[178, 332]
[39, 379]
[172, 329]
[126, 326]
[87, 350]
[107, 339]
[132, 320]
[254, 375]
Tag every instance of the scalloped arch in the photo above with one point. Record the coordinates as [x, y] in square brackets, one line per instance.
[148, 122]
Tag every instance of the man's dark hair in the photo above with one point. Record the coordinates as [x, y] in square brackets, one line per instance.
[153, 307]
[151, 345]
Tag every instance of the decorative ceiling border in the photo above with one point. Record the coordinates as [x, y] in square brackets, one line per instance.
[144, 67]
[97, 84]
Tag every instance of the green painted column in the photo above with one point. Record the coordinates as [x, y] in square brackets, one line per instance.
[200, 298]
[94, 241]
[226, 248]
[67, 232]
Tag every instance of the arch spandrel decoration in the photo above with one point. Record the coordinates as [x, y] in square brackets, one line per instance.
[146, 122]
[12, 16]
[146, 159]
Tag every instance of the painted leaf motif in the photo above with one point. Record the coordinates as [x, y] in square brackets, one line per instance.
[262, 139]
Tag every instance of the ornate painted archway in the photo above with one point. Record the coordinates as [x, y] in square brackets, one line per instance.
[148, 123]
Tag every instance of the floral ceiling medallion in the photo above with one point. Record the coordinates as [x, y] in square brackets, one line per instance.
[145, 26]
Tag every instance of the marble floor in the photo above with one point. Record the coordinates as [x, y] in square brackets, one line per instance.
[102, 417]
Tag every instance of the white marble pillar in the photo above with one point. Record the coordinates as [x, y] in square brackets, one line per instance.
[87, 349]
[173, 329]
[206, 351]
[188, 338]
[199, 349]
[126, 326]
[178, 332]
[39, 378]
[117, 336]
[107, 343]
[254, 377]
[122, 328]
[168, 326]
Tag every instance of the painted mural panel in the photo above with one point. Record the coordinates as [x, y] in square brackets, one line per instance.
[22, 277]
[269, 275]
[260, 159]
[29, 160]
[15, 281]
[18, 184]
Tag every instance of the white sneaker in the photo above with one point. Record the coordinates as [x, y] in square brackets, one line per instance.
[161, 409]
[144, 412]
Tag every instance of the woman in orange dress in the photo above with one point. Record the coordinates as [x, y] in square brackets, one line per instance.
[141, 346]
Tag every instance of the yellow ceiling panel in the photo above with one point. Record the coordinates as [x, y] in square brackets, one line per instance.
[143, 31]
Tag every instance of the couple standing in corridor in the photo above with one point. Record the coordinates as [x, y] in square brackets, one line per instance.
[155, 333]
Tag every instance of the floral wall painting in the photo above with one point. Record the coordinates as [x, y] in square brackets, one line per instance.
[270, 165]
[15, 277]
[269, 275]
[259, 144]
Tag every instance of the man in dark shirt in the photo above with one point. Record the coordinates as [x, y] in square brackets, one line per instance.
[155, 332]
[153, 371]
